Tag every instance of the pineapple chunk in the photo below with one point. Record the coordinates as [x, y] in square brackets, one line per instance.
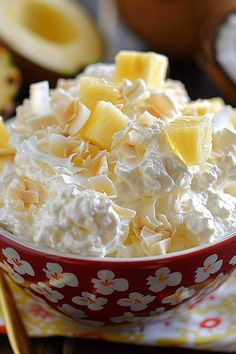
[93, 89]
[104, 122]
[6, 155]
[216, 103]
[150, 67]
[4, 137]
[190, 139]
[202, 107]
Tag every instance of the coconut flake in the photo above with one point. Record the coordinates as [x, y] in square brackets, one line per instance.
[29, 197]
[82, 114]
[103, 184]
[39, 98]
[30, 147]
[42, 122]
[124, 212]
[133, 89]
[146, 119]
[60, 146]
[162, 104]
[102, 166]
[161, 247]
[222, 119]
[24, 190]
[75, 180]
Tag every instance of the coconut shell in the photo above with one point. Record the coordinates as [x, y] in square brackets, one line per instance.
[171, 26]
[207, 57]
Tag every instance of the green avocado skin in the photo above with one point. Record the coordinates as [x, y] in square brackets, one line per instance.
[32, 72]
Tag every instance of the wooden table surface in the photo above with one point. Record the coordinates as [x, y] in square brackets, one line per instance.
[59, 345]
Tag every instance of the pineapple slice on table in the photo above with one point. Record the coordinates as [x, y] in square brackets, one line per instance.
[93, 89]
[104, 122]
[190, 138]
[150, 66]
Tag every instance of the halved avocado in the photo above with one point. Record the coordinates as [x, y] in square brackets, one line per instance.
[48, 38]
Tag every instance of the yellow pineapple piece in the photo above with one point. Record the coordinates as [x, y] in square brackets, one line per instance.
[202, 107]
[104, 122]
[150, 66]
[93, 89]
[190, 138]
[4, 137]
[7, 154]
[216, 103]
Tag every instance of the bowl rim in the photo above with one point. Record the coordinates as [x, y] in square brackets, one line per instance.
[54, 252]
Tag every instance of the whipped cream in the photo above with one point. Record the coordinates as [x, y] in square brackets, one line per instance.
[88, 223]
[138, 199]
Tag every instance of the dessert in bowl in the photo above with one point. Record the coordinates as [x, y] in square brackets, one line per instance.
[117, 194]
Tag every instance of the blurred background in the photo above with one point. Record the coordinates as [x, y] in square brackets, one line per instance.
[184, 68]
[185, 30]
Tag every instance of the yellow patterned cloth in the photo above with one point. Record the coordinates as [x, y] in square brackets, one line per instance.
[210, 325]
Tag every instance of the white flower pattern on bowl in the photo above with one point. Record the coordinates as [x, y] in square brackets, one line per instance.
[136, 301]
[212, 285]
[157, 311]
[20, 266]
[127, 317]
[180, 295]
[72, 311]
[211, 265]
[12, 274]
[163, 278]
[107, 283]
[90, 300]
[233, 261]
[52, 295]
[58, 279]
[37, 298]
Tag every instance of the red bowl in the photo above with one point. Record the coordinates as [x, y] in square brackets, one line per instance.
[109, 291]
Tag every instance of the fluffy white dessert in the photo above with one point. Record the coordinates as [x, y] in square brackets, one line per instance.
[119, 163]
[88, 223]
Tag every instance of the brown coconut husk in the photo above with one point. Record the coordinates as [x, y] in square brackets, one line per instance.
[171, 26]
[207, 56]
